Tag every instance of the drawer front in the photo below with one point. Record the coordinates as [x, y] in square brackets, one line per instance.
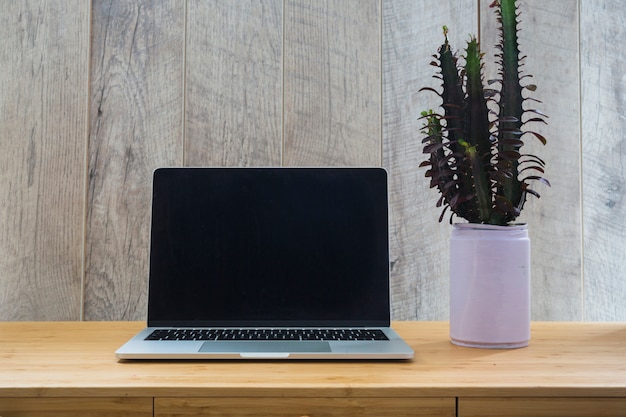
[75, 407]
[310, 407]
[542, 407]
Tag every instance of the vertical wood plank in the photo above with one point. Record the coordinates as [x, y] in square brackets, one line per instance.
[43, 94]
[332, 86]
[412, 33]
[603, 59]
[135, 126]
[233, 83]
[549, 38]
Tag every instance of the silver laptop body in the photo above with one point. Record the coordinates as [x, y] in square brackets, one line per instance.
[268, 263]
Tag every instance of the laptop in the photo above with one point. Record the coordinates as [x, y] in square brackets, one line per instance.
[268, 263]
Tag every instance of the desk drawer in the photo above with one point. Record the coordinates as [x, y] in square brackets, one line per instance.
[542, 407]
[75, 407]
[310, 407]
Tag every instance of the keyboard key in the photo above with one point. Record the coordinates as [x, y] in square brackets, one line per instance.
[267, 334]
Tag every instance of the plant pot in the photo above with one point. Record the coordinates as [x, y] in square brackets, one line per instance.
[490, 286]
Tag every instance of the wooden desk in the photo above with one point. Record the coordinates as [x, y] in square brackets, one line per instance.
[569, 369]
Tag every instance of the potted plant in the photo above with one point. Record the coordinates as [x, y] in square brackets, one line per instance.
[476, 162]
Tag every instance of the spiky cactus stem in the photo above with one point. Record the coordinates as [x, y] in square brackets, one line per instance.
[511, 110]
[474, 161]
[477, 132]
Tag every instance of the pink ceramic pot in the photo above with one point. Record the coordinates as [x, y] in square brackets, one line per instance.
[490, 286]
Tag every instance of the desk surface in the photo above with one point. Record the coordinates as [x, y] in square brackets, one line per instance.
[77, 359]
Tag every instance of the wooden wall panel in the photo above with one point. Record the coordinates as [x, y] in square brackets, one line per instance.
[603, 60]
[43, 89]
[295, 82]
[549, 37]
[412, 33]
[233, 112]
[135, 126]
[332, 83]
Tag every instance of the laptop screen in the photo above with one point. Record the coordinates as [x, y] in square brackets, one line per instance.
[269, 247]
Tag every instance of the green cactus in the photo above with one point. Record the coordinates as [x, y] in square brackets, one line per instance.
[475, 160]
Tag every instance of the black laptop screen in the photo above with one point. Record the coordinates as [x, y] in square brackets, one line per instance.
[269, 247]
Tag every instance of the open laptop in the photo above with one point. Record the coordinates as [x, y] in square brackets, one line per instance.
[268, 263]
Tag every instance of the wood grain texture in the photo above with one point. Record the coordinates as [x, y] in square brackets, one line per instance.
[332, 83]
[43, 90]
[76, 407]
[549, 38]
[75, 359]
[603, 59]
[542, 407]
[135, 126]
[233, 111]
[291, 82]
[412, 33]
[310, 407]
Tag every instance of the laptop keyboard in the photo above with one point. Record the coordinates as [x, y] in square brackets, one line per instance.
[267, 334]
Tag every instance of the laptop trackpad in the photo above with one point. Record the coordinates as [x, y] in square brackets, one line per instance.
[266, 346]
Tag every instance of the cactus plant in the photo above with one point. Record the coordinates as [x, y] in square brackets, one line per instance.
[474, 147]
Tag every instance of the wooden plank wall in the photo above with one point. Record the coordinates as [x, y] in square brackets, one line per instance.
[93, 97]
[44, 73]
